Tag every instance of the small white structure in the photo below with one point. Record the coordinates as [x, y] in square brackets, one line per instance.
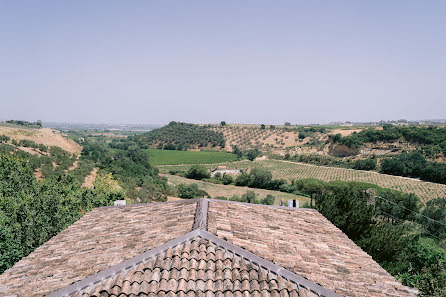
[293, 203]
[224, 170]
[119, 202]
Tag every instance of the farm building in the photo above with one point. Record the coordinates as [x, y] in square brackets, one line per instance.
[200, 247]
[223, 170]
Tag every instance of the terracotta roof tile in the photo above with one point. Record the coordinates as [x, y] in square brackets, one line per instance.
[171, 286]
[104, 237]
[304, 242]
[299, 241]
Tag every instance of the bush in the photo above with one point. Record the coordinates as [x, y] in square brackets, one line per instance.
[190, 191]
[242, 180]
[197, 172]
[252, 154]
[4, 138]
[249, 197]
[368, 164]
[433, 217]
[227, 179]
[268, 200]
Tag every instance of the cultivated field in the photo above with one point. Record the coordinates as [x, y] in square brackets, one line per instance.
[228, 190]
[163, 157]
[291, 170]
[249, 136]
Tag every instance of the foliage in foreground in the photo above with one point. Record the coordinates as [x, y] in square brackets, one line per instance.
[391, 229]
[31, 212]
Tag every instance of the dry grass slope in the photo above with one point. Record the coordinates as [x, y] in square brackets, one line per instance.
[46, 136]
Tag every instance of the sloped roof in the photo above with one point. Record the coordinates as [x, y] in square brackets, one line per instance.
[306, 243]
[104, 237]
[196, 267]
[118, 249]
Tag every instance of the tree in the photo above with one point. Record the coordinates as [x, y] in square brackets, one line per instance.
[310, 187]
[287, 124]
[433, 217]
[345, 205]
[197, 172]
[367, 164]
[237, 151]
[249, 197]
[272, 127]
[259, 178]
[262, 126]
[242, 180]
[268, 200]
[223, 123]
[252, 154]
[190, 191]
[227, 179]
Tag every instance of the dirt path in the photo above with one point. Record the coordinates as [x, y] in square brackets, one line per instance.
[89, 179]
[38, 174]
[74, 166]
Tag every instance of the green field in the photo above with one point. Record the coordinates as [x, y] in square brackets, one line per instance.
[165, 157]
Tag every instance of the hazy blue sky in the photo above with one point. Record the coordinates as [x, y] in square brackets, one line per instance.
[207, 61]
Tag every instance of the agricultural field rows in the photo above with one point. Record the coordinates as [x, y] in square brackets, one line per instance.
[229, 190]
[249, 136]
[291, 170]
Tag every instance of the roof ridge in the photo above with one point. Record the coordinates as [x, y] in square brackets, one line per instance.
[151, 203]
[201, 215]
[208, 199]
[237, 251]
[262, 205]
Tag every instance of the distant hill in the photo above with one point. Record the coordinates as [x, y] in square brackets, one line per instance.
[180, 136]
[45, 136]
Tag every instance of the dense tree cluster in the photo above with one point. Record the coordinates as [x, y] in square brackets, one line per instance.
[31, 212]
[415, 165]
[180, 136]
[390, 227]
[433, 136]
[37, 124]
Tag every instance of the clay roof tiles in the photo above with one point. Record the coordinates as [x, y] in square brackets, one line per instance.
[199, 248]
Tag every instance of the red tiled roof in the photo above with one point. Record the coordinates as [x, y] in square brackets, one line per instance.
[110, 250]
[196, 267]
[104, 237]
[305, 242]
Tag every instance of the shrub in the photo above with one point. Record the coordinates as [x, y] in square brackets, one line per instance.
[368, 164]
[252, 154]
[227, 179]
[268, 200]
[197, 172]
[190, 191]
[4, 138]
[433, 217]
[249, 197]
